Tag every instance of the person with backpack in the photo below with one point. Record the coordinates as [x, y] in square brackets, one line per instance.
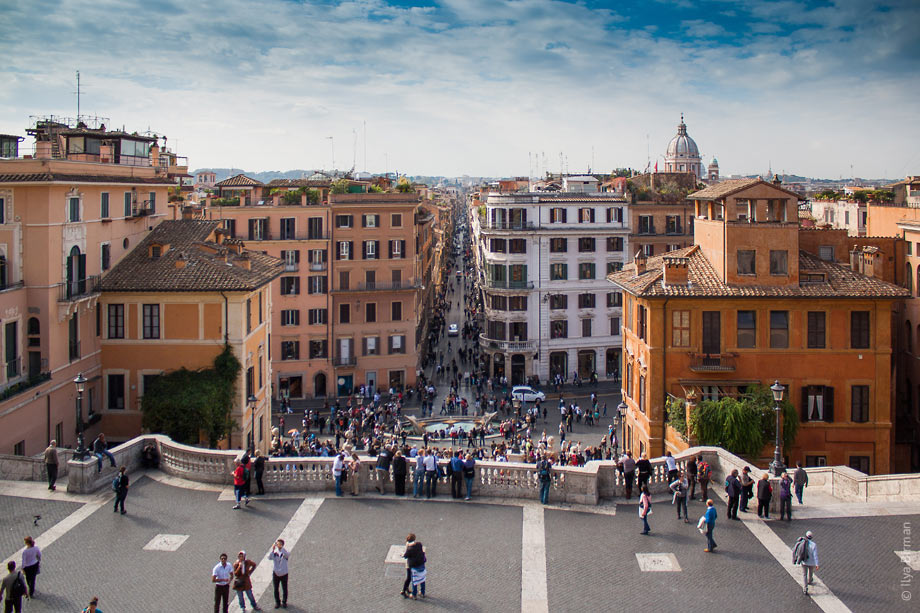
[704, 474]
[679, 487]
[12, 589]
[805, 554]
[544, 472]
[733, 491]
[645, 509]
[415, 568]
[747, 488]
[764, 495]
[120, 485]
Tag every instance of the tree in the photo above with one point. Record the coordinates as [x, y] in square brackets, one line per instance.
[403, 186]
[186, 404]
[339, 186]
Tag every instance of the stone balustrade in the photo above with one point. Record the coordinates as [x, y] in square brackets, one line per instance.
[32, 468]
[577, 485]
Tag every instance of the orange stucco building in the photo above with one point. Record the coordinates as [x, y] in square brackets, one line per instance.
[176, 300]
[746, 305]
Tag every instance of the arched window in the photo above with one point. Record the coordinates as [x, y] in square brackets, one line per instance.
[909, 279]
[908, 330]
[35, 326]
[76, 273]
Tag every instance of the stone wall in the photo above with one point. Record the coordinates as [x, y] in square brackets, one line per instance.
[31, 468]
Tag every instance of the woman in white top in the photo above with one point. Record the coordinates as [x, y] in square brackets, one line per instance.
[645, 509]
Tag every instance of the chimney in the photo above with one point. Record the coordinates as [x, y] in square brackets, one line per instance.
[854, 259]
[243, 261]
[276, 199]
[180, 261]
[106, 155]
[43, 150]
[188, 212]
[155, 155]
[640, 261]
[676, 270]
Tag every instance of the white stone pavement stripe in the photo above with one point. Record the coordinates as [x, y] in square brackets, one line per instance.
[819, 592]
[262, 575]
[61, 528]
[533, 561]
[40, 491]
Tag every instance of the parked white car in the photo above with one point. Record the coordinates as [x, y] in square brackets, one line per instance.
[453, 330]
[527, 394]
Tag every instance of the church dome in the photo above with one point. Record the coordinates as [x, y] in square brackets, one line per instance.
[714, 162]
[682, 145]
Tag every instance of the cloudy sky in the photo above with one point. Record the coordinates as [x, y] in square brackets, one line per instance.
[481, 87]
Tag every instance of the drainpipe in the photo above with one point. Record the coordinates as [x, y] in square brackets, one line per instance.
[226, 318]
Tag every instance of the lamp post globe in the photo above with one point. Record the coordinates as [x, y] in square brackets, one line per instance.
[777, 467]
[252, 422]
[80, 383]
[621, 411]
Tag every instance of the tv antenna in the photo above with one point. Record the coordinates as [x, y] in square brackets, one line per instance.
[78, 96]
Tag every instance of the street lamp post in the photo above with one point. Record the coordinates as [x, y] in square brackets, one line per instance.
[80, 452]
[778, 467]
[621, 411]
[252, 422]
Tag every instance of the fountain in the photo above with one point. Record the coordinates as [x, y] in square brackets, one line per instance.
[431, 424]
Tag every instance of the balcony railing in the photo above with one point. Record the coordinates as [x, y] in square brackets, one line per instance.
[382, 286]
[509, 225]
[291, 267]
[318, 266]
[346, 361]
[13, 368]
[497, 345]
[78, 288]
[712, 362]
[21, 386]
[505, 284]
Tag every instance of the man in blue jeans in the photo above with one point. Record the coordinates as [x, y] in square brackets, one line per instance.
[338, 466]
[100, 448]
[544, 472]
[419, 486]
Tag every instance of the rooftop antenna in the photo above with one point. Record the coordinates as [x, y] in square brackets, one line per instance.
[332, 141]
[365, 145]
[354, 147]
[592, 160]
[78, 96]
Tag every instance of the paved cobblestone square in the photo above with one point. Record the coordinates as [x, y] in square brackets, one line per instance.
[18, 520]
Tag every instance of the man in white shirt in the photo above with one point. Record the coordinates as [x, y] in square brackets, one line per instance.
[431, 473]
[338, 465]
[279, 557]
[671, 463]
[220, 577]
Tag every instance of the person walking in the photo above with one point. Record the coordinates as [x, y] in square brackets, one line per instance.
[93, 606]
[51, 464]
[258, 467]
[785, 497]
[415, 568]
[545, 473]
[220, 577]
[279, 557]
[242, 580]
[100, 449]
[733, 491]
[456, 475]
[645, 508]
[809, 561]
[239, 482]
[800, 480]
[469, 471]
[764, 494]
[31, 563]
[400, 471]
[709, 518]
[679, 487]
[747, 488]
[121, 490]
[338, 467]
[12, 589]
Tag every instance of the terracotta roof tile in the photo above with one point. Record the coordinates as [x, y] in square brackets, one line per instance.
[299, 183]
[47, 177]
[704, 282]
[731, 186]
[208, 265]
[239, 180]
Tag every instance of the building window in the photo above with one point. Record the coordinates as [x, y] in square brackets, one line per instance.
[116, 390]
[106, 256]
[343, 221]
[859, 329]
[586, 215]
[859, 403]
[648, 250]
[129, 203]
[370, 221]
[558, 245]
[250, 381]
[586, 270]
[152, 202]
[248, 315]
[672, 224]
[641, 322]
[151, 321]
[288, 228]
[371, 250]
[746, 262]
[558, 272]
[747, 329]
[397, 344]
[315, 317]
[290, 286]
[817, 403]
[290, 317]
[396, 220]
[104, 205]
[371, 345]
[629, 378]
[586, 301]
[396, 311]
[586, 327]
[517, 245]
[613, 267]
[615, 243]
[557, 215]
[826, 252]
[73, 337]
[316, 284]
[370, 312]
[614, 299]
[517, 303]
[778, 264]
[290, 350]
[779, 329]
[860, 463]
[397, 250]
[816, 334]
[259, 230]
[646, 224]
[614, 326]
[315, 228]
[498, 245]
[116, 321]
[344, 313]
[642, 393]
[559, 328]
[586, 245]
[319, 349]
[343, 251]
[73, 209]
[614, 214]
[558, 301]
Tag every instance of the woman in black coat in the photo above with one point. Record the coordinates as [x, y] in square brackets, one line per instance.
[399, 473]
[415, 558]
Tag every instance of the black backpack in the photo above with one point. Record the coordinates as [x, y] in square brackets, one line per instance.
[18, 589]
[800, 550]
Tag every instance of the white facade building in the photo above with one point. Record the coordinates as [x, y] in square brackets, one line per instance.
[848, 215]
[542, 261]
